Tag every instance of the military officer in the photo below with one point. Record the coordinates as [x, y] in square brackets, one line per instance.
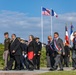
[6, 47]
[37, 54]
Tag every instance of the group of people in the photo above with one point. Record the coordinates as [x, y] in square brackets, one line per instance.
[24, 54]
[20, 53]
[59, 52]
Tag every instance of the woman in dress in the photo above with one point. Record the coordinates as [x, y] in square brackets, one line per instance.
[31, 49]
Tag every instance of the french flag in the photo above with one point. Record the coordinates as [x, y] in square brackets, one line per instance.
[66, 36]
[53, 13]
[71, 33]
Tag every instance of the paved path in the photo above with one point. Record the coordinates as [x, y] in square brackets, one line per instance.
[23, 72]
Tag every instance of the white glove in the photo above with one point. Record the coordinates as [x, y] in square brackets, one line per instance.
[25, 56]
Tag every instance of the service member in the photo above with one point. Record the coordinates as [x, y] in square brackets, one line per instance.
[37, 54]
[6, 47]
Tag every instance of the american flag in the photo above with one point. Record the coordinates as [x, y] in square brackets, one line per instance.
[46, 11]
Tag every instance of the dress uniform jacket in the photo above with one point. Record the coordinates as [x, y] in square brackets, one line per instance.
[6, 44]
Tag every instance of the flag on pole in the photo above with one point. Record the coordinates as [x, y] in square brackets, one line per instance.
[71, 33]
[66, 36]
[53, 13]
[45, 11]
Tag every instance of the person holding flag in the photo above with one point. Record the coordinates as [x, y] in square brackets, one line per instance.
[66, 48]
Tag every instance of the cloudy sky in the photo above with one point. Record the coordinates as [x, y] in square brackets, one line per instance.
[23, 17]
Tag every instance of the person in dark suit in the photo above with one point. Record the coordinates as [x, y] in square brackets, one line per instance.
[59, 50]
[37, 53]
[15, 53]
[51, 52]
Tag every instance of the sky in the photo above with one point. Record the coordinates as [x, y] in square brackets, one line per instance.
[23, 17]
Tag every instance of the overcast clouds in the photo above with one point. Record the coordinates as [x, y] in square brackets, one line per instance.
[23, 26]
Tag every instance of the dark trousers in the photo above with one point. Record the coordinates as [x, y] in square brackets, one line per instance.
[37, 61]
[48, 60]
[66, 61]
[74, 62]
[15, 58]
[24, 62]
[52, 61]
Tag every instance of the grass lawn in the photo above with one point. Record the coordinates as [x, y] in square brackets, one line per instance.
[60, 73]
[1, 56]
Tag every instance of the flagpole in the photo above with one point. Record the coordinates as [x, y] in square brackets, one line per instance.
[42, 25]
[70, 33]
[51, 27]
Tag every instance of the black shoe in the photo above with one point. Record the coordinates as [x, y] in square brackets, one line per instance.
[48, 66]
[51, 69]
[17, 69]
[30, 69]
[38, 69]
[61, 70]
[5, 69]
[74, 69]
[55, 68]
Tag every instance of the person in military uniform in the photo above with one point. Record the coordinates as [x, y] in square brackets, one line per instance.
[6, 47]
[37, 54]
